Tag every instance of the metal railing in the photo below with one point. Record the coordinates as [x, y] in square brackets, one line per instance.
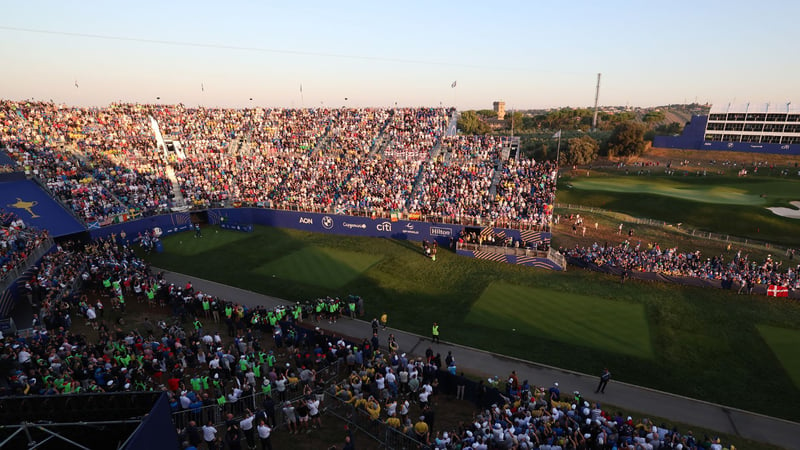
[376, 429]
[329, 375]
[702, 234]
[503, 250]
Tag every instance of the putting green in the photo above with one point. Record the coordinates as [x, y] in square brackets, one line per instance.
[716, 194]
[320, 266]
[586, 321]
[783, 343]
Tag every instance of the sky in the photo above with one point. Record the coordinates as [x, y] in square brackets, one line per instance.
[529, 54]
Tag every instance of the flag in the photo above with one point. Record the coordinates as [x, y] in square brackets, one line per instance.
[777, 291]
[394, 216]
[94, 225]
[557, 135]
[453, 85]
[202, 88]
[301, 88]
[76, 83]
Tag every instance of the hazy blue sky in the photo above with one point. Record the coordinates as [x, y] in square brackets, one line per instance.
[530, 54]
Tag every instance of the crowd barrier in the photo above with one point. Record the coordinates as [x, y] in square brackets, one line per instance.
[760, 289]
[316, 222]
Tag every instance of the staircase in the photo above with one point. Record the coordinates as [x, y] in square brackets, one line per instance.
[178, 202]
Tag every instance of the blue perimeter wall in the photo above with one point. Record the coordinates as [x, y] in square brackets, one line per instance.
[315, 222]
[324, 223]
[693, 138]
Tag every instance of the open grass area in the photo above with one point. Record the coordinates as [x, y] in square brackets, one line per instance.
[704, 343]
[722, 204]
[783, 342]
[319, 266]
[584, 320]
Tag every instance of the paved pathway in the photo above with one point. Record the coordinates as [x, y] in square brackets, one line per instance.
[627, 396]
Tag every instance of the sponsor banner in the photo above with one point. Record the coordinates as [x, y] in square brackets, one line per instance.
[168, 223]
[236, 227]
[341, 224]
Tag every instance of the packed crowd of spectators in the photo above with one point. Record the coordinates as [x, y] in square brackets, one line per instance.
[100, 162]
[670, 261]
[268, 351]
[17, 241]
[106, 162]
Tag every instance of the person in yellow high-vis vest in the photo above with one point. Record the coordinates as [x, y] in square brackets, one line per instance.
[435, 332]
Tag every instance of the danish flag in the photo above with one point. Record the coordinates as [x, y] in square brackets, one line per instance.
[777, 291]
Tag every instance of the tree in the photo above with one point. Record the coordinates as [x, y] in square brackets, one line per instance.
[627, 139]
[517, 119]
[487, 113]
[581, 150]
[654, 116]
[470, 123]
[669, 129]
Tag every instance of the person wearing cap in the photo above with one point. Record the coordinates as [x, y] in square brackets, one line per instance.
[291, 417]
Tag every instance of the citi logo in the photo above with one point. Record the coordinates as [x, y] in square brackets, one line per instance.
[384, 226]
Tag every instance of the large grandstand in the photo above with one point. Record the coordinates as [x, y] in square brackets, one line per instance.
[113, 164]
[153, 165]
[758, 128]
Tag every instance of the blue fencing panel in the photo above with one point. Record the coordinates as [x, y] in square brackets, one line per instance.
[169, 224]
[35, 206]
[156, 430]
[693, 138]
[339, 224]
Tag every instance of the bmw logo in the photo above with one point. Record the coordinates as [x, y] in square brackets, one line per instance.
[327, 222]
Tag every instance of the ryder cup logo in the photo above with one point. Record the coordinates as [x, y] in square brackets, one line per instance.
[327, 222]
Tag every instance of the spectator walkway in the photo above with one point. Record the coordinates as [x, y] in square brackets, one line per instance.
[628, 397]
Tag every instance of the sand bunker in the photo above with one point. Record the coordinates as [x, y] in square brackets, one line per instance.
[791, 213]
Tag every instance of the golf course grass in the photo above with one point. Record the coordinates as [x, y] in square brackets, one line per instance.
[319, 266]
[783, 342]
[696, 342]
[585, 321]
[723, 204]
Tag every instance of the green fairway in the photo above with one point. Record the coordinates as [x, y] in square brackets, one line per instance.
[579, 320]
[695, 342]
[720, 204]
[783, 342]
[725, 195]
[324, 267]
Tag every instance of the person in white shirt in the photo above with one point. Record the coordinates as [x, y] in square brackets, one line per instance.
[246, 425]
[313, 412]
[209, 434]
[263, 435]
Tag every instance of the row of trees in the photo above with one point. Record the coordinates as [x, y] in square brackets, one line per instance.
[624, 141]
[622, 134]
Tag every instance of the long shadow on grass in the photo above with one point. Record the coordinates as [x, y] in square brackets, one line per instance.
[415, 291]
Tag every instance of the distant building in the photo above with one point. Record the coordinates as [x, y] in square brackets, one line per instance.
[759, 128]
[500, 109]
